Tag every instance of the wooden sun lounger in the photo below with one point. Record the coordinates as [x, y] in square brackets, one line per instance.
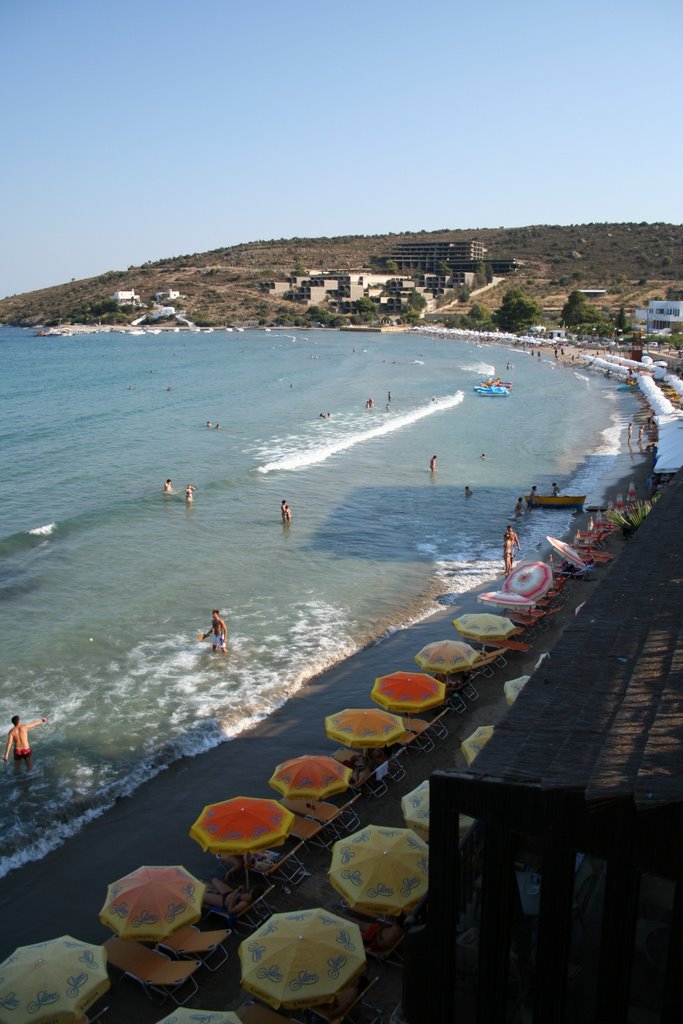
[205, 946]
[153, 970]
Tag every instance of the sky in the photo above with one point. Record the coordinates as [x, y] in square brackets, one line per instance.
[139, 129]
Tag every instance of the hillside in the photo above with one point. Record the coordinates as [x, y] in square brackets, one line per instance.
[633, 262]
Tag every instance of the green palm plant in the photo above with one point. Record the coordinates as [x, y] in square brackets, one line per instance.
[631, 517]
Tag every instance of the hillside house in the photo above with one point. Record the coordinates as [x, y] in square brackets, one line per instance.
[126, 298]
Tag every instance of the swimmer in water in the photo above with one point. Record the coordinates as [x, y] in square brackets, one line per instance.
[432, 464]
[285, 512]
[468, 492]
[167, 487]
[189, 493]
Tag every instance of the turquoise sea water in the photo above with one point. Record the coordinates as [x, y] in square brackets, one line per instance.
[105, 581]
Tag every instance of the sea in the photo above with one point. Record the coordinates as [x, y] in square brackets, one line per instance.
[106, 581]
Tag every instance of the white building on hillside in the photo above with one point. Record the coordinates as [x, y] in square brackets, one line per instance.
[126, 298]
[661, 314]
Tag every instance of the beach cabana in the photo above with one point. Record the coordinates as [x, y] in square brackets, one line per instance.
[564, 900]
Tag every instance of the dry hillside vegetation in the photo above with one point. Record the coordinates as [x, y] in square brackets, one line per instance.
[633, 262]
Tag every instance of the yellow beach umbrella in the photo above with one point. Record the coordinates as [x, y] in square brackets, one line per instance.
[242, 825]
[52, 982]
[415, 807]
[380, 870]
[408, 691]
[513, 687]
[312, 777]
[151, 903]
[364, 727]
[484, 626]
[446, 657]
[301, 958]
[473, 743]
[181, 1015]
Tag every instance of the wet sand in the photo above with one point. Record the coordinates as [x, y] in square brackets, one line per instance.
[64, 892]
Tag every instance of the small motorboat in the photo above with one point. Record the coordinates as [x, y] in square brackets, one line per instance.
[555, 500]
[497, 383]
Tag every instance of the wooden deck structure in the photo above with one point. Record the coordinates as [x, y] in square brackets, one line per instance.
[564, 902]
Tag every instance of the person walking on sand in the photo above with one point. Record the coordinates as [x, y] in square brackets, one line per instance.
[510, 545]
[218, 632]
[285, 512]
[18, 738]
[432, 464]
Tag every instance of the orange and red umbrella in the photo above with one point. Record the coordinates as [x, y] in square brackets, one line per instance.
[152, 902]
[408, 691]
[242, 825]
[364, 727]
[312, 776]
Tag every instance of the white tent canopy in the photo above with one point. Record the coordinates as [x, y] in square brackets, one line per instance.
[656, 399]
[670, 444]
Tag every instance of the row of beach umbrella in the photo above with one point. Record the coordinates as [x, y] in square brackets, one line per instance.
[376, 870]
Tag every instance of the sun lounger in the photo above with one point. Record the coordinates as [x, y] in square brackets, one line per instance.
[156, 972]
[205, 946]
[509, 645]
[288, 868]
[391, 955]
[256, 1013]
[340, 1010]
[348, 817]
[396, 769]
[421, 729]
[253, 915]
[311, 831]
[454, 702]
[437, 726]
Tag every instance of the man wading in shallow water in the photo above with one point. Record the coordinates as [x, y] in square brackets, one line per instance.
[218, 633]
[18, 738]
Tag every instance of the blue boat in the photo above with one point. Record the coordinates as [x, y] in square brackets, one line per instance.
[496, 391]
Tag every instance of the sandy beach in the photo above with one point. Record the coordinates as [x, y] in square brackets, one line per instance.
[63, 892]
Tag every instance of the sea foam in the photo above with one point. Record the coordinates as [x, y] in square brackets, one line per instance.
[314, 454]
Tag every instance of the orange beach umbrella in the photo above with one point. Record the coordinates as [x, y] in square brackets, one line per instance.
[408, 691]
[242, 825]
[364, 727]
[151, 903]
[312, 776]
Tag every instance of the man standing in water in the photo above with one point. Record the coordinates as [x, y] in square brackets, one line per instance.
[285, 512]
[18, 738]
[432, 464]
[218, 631]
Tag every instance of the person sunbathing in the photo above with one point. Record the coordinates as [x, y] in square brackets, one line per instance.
[262, 860]
[381, 935]
[233, 901]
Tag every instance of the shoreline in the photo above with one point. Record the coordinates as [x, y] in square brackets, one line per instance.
[450, 585]
[151, 825]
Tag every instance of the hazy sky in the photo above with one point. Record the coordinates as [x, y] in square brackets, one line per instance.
[138, 130]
